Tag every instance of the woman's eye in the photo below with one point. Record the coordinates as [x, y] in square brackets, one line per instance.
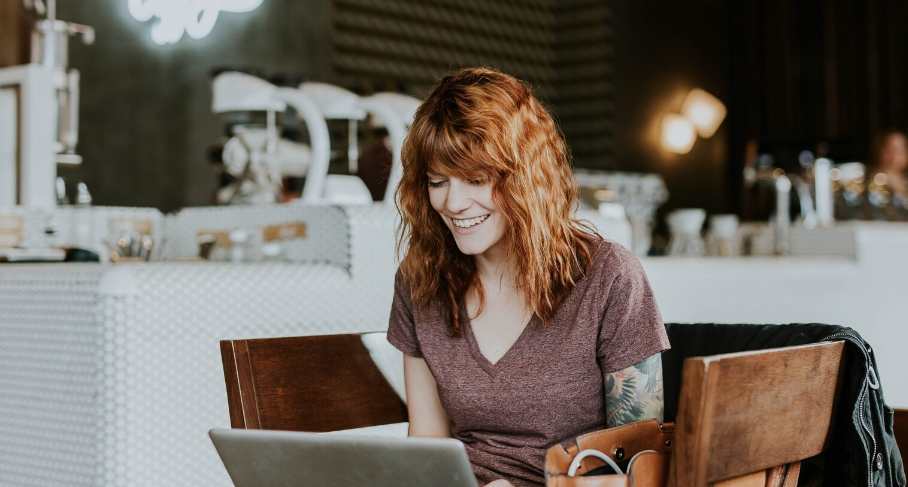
[436, 184]
[477, 181]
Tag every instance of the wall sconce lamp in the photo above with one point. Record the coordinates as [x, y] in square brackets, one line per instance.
[701, 113]
[678, 133]
[705, 111]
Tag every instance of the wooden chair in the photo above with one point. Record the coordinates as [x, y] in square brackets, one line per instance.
[312, 383]
[749, 419]
[900, 420]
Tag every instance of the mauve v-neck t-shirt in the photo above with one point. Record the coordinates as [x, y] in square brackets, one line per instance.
[548, 386]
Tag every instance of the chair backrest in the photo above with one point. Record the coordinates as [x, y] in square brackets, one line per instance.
[312, 383]
[749, 418]
[900, 423]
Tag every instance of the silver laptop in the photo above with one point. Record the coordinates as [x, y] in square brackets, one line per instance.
[263, 458]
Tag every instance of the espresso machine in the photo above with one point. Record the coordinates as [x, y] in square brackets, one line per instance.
[50, 48]
[39, 111]
[257, 157]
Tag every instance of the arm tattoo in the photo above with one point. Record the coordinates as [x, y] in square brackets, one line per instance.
[634, 393]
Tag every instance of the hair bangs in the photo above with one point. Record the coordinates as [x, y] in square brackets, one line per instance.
[452, 152]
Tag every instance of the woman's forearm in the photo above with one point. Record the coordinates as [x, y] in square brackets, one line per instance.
[427, 416]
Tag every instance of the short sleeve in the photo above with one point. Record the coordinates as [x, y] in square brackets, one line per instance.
[401, 327]
[631, 328]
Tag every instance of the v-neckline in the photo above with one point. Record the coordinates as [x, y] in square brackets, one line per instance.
[486, 365]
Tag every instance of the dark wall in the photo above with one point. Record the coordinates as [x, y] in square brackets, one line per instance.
[824, 75]
[665, 49]
[584, 75]
[146, 120]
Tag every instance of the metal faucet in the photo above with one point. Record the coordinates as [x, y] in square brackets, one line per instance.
[815, 204]
[782, 221]
[822, 178]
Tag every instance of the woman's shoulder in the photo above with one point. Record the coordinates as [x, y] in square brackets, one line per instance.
[404, 293]
[612, 263]
[401, 287]
[609, 256]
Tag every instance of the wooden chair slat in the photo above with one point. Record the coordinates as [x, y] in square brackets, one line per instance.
[314, 383]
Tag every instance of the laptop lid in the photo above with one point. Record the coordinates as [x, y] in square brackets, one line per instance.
[265, 458]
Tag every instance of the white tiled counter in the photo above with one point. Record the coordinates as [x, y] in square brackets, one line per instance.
[868, 292]
[111, 375]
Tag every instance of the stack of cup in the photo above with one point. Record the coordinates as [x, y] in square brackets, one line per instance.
[723, 238]
[685, 225]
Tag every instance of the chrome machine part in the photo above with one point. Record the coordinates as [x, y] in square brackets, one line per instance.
[50, 48]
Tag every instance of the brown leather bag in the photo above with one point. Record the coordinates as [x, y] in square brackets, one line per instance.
[647, 444]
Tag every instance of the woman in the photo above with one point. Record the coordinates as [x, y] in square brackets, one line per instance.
[519, 325]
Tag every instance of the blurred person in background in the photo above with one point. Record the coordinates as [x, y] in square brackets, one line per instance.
[890, 158]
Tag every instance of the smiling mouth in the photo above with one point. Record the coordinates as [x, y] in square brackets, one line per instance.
[469, 222]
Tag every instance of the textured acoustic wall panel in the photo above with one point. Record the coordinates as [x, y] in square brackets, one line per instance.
[563, 48]
[583, 64]
[412, 43]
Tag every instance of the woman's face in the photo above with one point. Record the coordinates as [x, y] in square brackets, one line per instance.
[467, 208]
[894, 155]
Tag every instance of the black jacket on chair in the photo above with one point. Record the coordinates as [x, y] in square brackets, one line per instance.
[862, 449]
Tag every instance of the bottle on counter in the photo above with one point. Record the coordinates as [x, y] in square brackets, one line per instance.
[82, 222]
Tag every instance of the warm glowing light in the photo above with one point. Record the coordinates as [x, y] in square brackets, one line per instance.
[705, 111]
[193, 17]
[678, 134]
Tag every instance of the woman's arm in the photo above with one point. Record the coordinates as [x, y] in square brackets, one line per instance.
[427, 416]
[635, 393]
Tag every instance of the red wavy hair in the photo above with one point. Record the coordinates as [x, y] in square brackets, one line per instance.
[480, 122]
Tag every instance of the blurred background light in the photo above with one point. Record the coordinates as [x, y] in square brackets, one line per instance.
[678, 133]
[705, 111]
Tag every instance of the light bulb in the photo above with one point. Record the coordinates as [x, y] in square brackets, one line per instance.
[705, 111]
[678, 133]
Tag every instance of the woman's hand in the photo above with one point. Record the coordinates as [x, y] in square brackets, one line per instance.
[499, 483]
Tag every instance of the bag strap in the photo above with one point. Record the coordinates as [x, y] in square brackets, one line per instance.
[575, 464]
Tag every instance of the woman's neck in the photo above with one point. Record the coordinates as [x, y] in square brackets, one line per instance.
[495, 269]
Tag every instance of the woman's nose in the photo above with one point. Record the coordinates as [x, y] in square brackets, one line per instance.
[458, 198]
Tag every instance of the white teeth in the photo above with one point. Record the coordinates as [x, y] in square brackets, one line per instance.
[469, 222]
